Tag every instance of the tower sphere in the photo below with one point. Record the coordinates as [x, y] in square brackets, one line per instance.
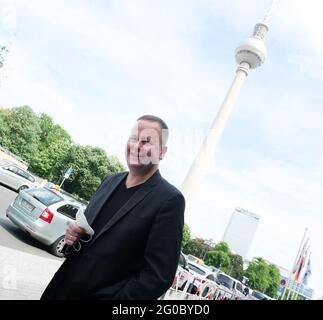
[253, 51]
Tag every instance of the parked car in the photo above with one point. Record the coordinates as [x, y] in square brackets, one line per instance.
[234, 285]
[16, 178]
[257, 295]
[183, 273]
[44, 214]
[5, 162]
[202, 274]
[214, 269]
[191, 258]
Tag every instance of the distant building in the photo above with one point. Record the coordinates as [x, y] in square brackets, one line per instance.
[241, 231]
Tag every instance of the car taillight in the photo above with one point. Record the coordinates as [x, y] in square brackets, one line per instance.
[47, 215]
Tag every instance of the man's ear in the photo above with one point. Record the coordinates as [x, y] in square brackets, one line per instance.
[162, 152]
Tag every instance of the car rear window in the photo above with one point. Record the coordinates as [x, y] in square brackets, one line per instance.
[26, 175]
[258, 295]
[196, 269]
[225, 281]
[68, 196]
[45, 196]
[210, 277]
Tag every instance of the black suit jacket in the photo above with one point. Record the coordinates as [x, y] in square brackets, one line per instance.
[135, 255]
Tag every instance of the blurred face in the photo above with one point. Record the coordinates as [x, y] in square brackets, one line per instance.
[144, 147]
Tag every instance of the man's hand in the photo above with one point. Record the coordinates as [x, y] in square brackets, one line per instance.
[73, 234]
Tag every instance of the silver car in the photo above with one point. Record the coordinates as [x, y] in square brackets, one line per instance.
[44, 214]
[257, 295]
[15, 178]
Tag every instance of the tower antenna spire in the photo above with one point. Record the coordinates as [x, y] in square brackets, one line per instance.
[269, 12]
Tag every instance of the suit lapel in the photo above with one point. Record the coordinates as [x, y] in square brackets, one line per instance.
[138, 196]
[103, 196]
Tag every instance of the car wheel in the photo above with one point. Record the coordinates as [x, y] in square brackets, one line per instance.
[183, 286]
[57, 247]
[192, 289]
[22, 188]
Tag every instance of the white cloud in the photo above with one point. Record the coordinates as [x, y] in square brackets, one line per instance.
[36, 86]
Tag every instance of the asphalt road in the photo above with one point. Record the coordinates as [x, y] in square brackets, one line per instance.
[14, 238]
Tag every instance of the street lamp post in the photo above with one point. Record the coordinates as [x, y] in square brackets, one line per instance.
[250, 54]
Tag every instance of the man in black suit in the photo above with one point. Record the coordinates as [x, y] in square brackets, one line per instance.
[137, 217]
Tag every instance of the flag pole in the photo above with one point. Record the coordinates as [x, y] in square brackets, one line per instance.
[302, 268]
[296, 268]
[291, 271]
[308, 271]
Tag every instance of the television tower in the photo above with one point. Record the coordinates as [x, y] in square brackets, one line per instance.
[250, 54]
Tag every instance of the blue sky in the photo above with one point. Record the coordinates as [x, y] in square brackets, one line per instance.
[96, 66]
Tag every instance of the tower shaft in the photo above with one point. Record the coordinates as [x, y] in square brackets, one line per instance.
[205, 154]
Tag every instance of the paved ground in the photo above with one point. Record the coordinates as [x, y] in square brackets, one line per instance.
[25, 265]
[24, 276]
[6, 196]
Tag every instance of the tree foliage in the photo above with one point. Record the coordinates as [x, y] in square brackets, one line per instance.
[20, 131]
[263, 277]
[49, 150]
[236, 269]
[90, 165]
[258, 274]
[54, 144]
[186, 236]
[4, 128]
[272, 289]
[197, 247]
[219, 259]
[222, 246]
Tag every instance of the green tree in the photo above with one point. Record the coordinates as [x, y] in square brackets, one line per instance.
[258, 274]
[198, 247]
[236, 269]
[272, 289]
[222, 246]
[186, 236]
[54, 143]
[219, 259]
[21, 132]
[90, 165]
[49, 150]
[4, 129]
